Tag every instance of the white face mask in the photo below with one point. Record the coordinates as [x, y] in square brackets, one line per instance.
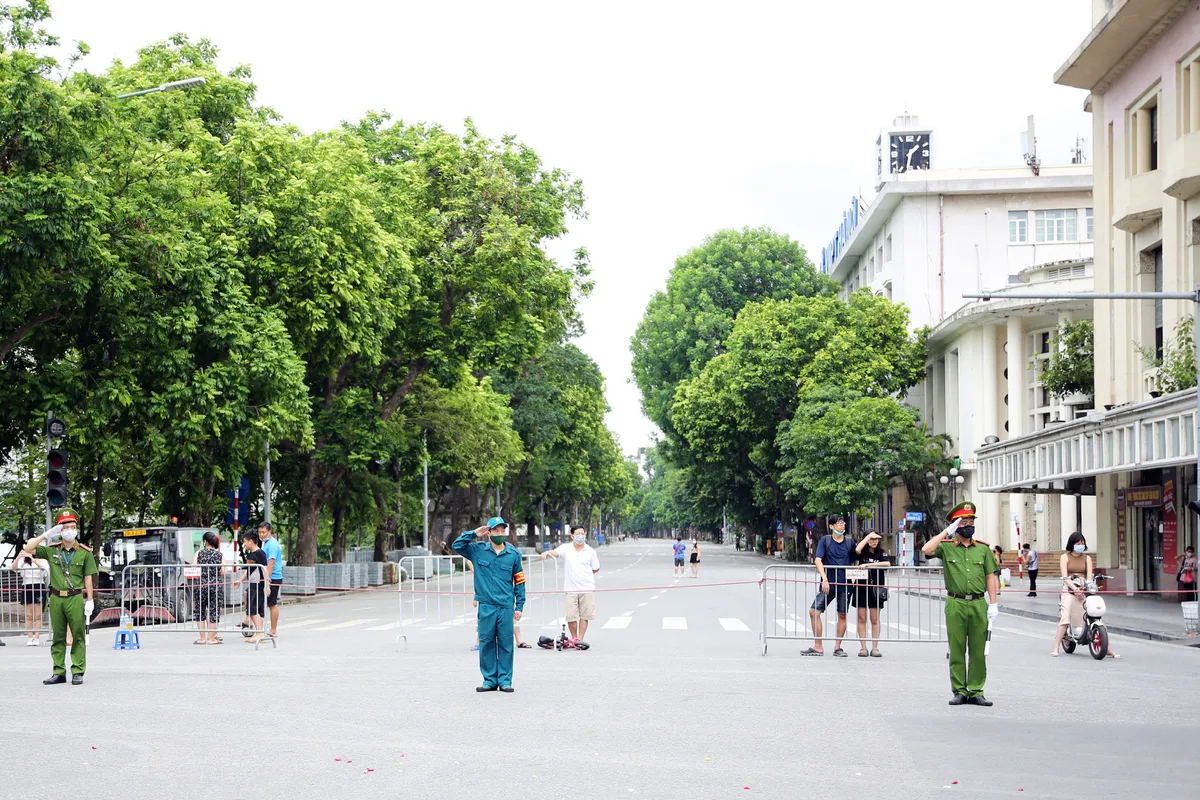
[579, 538]
[69, 535]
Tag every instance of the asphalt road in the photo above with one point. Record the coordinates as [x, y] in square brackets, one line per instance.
[674, 700]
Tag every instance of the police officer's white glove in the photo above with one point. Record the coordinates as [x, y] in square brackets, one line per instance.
[88, 608]
[54, 535]
[993, 611]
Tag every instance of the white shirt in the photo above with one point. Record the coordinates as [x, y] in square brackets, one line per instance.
[579, 567]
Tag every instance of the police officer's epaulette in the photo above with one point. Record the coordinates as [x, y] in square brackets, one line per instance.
[84, 546]
[982, 542]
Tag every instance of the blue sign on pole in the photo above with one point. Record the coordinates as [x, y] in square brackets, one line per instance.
[810, 524]
[914, 516]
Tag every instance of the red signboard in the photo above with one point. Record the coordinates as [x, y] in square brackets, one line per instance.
[1170, 523]
[1122, 538]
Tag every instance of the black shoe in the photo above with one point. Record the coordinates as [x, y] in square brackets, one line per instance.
[77, 679]
[506, 689]
[979, 700]
[1032, 594]
[958, 699]
[486, 688]
[53, 679]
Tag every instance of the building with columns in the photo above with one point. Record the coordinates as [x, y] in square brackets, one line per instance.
[932, 235]
[1137, 452]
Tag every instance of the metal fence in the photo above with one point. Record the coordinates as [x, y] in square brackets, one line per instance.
[23, 601]
[440, 592]
[911, 610]
[190, 598]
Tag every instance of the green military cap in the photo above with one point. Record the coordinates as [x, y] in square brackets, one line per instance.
[964, 509]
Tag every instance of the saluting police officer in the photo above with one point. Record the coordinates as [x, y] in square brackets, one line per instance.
[72, 567]
[970, 572]
[500, 592]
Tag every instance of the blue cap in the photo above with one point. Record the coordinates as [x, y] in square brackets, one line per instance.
[496, 521]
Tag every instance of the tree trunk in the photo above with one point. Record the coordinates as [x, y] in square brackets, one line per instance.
[339, 536]
[319, 483]
[97, 511]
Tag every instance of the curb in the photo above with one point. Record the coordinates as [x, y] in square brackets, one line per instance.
[1155, 636]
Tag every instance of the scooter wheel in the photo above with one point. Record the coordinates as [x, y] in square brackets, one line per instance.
[1098, 642]
[1068, 644]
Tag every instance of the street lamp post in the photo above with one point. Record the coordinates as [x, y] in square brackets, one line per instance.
[173, 86]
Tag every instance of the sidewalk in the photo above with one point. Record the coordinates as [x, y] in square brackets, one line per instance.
[1140, 615]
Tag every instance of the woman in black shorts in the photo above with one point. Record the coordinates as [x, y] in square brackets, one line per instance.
[695, 559]
[870, 595]
[32, 594]
[207, 598]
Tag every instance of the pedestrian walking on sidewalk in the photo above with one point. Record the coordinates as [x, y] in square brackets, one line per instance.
[500, 592]
[971, 573]
[1030, 557]
[1187, 574]
[870, 595]
[72, 575]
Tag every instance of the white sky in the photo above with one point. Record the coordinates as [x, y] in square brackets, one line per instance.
[680, 117]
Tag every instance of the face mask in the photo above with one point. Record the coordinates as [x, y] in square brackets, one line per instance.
[966, 531]
[579, 538]
[69, 535]
[1079, 548]
[501, 539]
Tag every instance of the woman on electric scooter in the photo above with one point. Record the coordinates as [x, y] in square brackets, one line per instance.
[1076, 566]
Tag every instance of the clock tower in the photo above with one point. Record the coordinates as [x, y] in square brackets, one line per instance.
[902, 147]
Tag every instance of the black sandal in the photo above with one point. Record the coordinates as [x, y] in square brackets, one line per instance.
[811, 652]
[840, 653]
[524, 646]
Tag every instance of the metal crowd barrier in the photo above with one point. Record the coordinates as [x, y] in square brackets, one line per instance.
[21, 591]
[440, 590]
[914, 609]
[178, 597]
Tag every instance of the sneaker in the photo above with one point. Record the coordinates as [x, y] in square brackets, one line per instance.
[31, 642]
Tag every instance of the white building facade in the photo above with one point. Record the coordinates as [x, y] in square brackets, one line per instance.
[929, 237]
[1141, 65]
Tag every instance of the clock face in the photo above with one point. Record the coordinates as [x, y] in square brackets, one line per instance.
[909, 151]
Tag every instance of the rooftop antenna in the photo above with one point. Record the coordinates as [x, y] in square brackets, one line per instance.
[1077, 156]
[1029, 148]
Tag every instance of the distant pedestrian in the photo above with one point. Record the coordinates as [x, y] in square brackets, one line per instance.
[679, 548]
[1187, 574]
[258, 578]
[500, 592]
[35, 573]
[835, 549]
[870, 595]
[270, 546]
[580, 565]
[695, 559]
[1030, 557]
[206, 599]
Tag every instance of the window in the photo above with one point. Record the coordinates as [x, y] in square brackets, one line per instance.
[1054, 226]
[1157, 253]
[1189, 85]
[871, 269]
[1143, 128]
[887, 290]
[1018, 227]
[1044, 342]
[1091, 234]
[1153, 138]
[879, 257]
[887, 249]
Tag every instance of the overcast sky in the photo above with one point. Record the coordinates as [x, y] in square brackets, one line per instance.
[681, 118]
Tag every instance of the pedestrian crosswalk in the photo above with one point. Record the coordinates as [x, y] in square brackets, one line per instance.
[629, 620]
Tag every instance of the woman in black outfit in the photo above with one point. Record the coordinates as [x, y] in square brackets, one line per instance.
[870, 595]
[207, 600]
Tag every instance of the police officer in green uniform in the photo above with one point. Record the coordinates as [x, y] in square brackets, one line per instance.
[971, 573]
[72, 567]
[500, 592]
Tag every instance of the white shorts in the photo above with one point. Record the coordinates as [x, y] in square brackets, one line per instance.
[581, 606]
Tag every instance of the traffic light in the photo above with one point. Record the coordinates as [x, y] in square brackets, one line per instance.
[56, 477]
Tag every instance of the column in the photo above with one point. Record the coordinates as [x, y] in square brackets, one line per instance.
[1014, 388]
[1193, 97]
[1142, 141]
[989, 420]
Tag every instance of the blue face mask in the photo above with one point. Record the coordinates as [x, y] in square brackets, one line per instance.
[1079, 548]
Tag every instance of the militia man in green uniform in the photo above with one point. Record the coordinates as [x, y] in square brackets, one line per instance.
[72, 571]
[971, 573]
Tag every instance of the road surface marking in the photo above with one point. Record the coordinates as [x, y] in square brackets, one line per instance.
[627, 613]
[301, 622]
[642, 605]
[387, 627]
[674, 623]
[347, 624]
[732, 624]
[655, 597]
[618, 623]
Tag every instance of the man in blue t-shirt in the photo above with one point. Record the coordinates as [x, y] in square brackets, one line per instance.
[835, 549]
[274, 553]
[680, 548]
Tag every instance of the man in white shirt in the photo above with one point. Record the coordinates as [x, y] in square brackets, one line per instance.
[580, 565]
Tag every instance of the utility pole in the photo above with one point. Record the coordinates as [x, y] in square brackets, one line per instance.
[267, 487]
[424, 446]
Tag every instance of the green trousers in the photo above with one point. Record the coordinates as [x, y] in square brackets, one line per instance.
[966, 627]
[67, 612]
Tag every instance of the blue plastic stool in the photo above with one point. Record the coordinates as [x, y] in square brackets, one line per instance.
[127, 640]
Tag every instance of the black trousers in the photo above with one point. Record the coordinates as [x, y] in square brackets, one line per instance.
[1033, 581]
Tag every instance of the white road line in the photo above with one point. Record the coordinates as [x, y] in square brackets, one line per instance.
[655, 597]
[387, 627]
[347, 624]
[364, 608]
[300, 623]
[642, 605]
[674, 623]
[732, 624]
[618, 623]
[627, 613]
[1023, 633]
[907, 629]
